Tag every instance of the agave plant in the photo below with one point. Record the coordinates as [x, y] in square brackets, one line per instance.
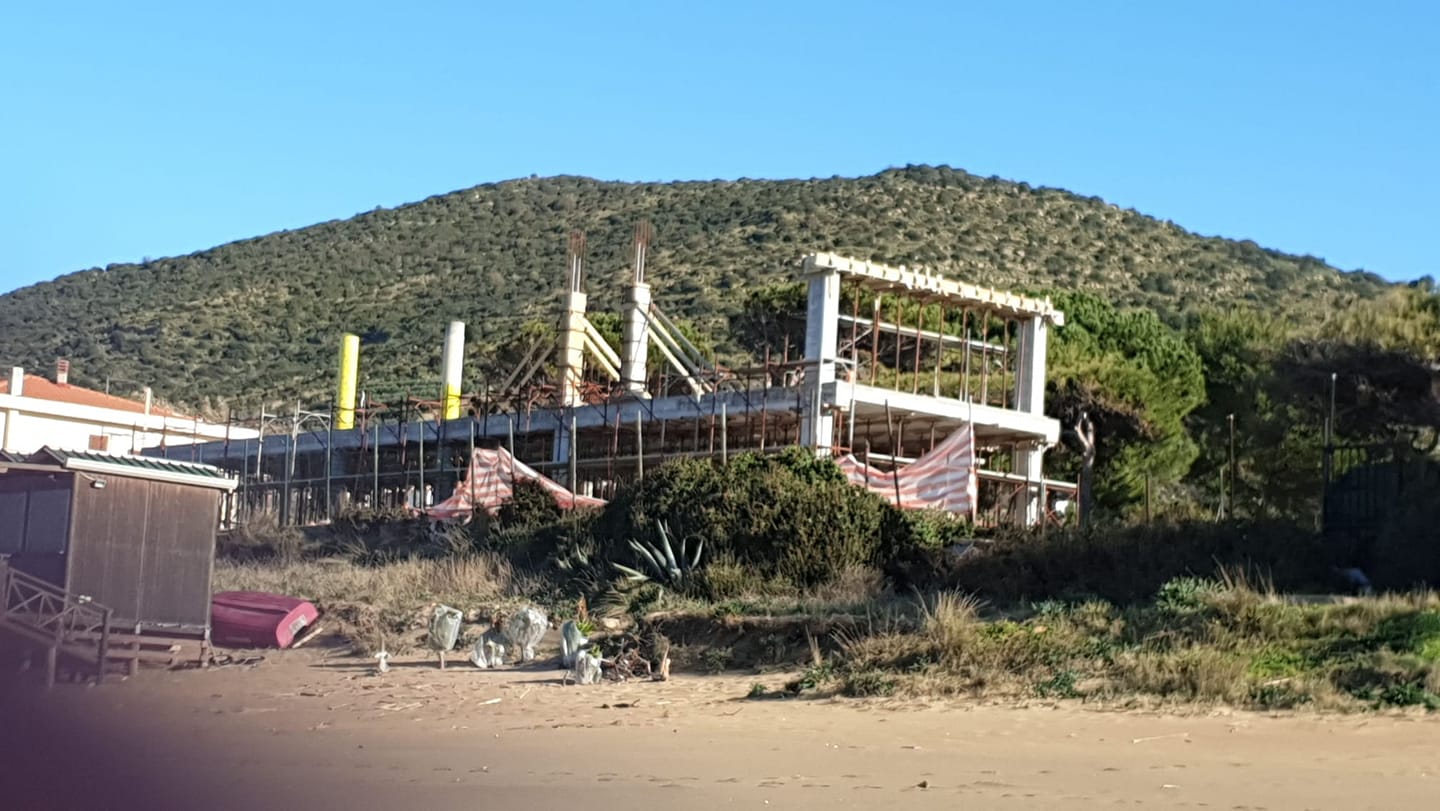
[662, 563]
[574, 561]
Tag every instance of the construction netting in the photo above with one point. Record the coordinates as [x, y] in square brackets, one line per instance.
[490, 482]
[943, 479]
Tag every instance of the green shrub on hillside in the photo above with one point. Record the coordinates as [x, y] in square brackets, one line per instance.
[262, 315]
[1123, 564]
[787, 517]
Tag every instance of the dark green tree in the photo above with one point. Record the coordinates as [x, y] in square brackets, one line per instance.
[1136, 380]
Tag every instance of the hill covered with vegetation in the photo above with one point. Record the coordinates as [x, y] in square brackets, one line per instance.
[260, 318]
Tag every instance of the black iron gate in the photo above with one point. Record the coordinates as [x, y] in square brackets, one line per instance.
[1366, 485]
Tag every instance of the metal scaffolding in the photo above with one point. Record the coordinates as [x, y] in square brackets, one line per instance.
[931, 355]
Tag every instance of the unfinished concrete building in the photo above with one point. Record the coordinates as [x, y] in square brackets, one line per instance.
[894, 362]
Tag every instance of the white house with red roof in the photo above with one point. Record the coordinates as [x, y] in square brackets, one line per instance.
[38, 412]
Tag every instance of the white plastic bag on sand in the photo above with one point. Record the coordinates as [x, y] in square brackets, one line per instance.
[444, 627]
[525, 630]
[488, 653]
[571, 643]
[587, 668]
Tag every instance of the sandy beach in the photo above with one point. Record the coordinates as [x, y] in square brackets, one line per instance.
[307, 729]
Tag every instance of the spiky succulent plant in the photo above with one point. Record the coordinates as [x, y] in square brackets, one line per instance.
[662, 563]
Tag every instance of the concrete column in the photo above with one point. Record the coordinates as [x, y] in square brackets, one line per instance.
[346, 381]
[636, 345]
[1030, 368]
[452, 365]
[1030, 463]
[572, 348]
[822, 333]
[1030, 398]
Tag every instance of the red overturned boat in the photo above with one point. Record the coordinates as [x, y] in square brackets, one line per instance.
[257, 619]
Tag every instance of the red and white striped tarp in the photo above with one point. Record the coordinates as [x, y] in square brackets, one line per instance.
[942, 479]
[489, 483]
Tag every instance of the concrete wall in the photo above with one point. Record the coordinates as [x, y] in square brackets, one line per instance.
[28, 424]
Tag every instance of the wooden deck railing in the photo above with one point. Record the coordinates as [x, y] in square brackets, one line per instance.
[53, 617]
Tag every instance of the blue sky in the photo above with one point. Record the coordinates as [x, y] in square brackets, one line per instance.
[152, 129]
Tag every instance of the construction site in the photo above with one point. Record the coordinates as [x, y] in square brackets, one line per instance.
[927, 390]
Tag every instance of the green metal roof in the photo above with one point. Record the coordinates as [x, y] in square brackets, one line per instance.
[138, 466]
[140, 462]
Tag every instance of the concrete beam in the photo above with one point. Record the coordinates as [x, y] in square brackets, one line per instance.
[867, 400]
[498, 426]
[924, 334]
[929, 282]
[986, 418]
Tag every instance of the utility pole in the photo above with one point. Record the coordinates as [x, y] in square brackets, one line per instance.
[1330, 425]
[1234, 463]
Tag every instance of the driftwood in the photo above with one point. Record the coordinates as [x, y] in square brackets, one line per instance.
[628, 665]
[308, 635]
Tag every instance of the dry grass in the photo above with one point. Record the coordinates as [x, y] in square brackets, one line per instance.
[949, 618]
[853, 585]
[855, 590]
[1234, 641]
[479, 577]
[1193, 674]
[262, 538]
[386, 604]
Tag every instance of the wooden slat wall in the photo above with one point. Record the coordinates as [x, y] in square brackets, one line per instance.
[35, 522]
[180, 549]
[108, 543]
[145, 549]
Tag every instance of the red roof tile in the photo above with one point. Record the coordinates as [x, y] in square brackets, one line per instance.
[42, 388]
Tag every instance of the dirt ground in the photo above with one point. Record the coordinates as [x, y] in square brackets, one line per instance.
[311, 729]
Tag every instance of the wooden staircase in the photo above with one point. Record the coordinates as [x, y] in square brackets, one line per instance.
[71, 629]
